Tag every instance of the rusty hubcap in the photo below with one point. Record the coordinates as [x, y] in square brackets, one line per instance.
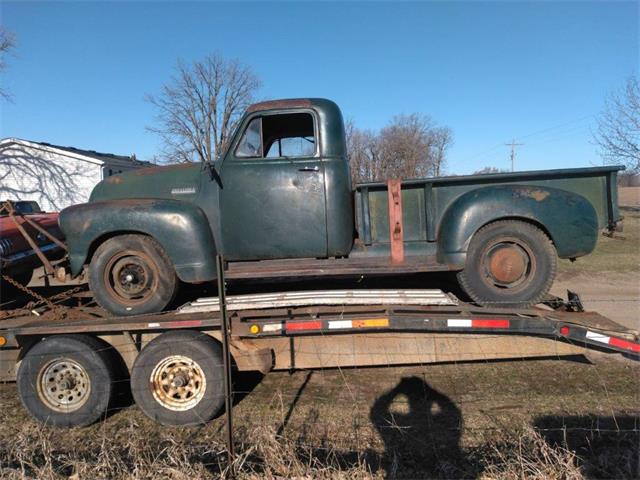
[508, 264]
[131, 277]
[178, 383]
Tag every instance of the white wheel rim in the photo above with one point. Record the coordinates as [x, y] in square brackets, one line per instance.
[178, 383]
[63, 385]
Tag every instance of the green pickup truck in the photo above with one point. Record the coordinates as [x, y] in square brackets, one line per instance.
[279, 203]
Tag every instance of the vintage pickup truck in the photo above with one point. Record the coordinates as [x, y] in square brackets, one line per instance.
[279, 203]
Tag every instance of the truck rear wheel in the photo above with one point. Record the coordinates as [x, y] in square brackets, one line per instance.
[132, 275]
[67, 381]
[178, 378]
[509, 263]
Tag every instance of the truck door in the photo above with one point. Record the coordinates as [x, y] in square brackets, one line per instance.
[273, 197]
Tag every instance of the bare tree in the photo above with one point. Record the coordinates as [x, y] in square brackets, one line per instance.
[7, 43]
[484, 170]
[406, 146]
[26, 174]
[442, 139]
[410, 146]
[199, 108]
[365, 156]
[618, 134]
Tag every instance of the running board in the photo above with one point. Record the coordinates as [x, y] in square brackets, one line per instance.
[322, 297]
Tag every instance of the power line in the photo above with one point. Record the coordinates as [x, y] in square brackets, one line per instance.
[550, 131]
[513, 146]
[584, 117]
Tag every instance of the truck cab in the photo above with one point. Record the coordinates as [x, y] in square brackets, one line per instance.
[285, 189]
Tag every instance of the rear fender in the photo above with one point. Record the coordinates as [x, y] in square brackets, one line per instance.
[569, 219]
[181, 228]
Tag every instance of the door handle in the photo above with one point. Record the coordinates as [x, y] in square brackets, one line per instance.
[309, 169]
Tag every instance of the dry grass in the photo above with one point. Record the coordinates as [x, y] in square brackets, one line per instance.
[33, 452]
[629, 196]
[505, 420]
[529, 456]
[618, 255]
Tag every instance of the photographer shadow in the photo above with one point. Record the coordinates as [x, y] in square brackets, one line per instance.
[421, 430]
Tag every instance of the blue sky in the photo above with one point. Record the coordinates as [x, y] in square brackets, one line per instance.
[492, 71]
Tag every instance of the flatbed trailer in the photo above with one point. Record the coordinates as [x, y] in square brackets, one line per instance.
[275, 331]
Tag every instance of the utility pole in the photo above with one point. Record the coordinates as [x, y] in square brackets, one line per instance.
[513, 146]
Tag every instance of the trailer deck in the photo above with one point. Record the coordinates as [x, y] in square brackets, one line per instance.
[290, 314]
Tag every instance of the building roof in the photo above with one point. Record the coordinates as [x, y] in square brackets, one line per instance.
[90, 155]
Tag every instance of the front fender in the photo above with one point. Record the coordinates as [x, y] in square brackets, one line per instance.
[181, 228]
[568, 218]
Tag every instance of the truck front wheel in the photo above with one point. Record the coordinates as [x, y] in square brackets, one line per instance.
[509, 263]
[132, 275]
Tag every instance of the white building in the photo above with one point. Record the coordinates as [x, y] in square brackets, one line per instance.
[55, 176]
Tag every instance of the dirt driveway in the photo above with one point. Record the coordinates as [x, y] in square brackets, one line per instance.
[616, 296]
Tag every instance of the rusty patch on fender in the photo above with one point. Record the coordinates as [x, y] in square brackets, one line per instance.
[535, 193]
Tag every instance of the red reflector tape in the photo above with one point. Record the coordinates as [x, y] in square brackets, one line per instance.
[490, 323]
[617, 342]
[478, 323]
[308, 325]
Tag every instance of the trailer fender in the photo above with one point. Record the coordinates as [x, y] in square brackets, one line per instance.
[568, 218]
[182, 229]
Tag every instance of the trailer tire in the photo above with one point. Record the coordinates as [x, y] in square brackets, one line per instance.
[67, 380]
[178, 378]
[510, 264]
[132, 275]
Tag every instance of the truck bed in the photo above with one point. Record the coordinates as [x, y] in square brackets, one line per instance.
[425, 201]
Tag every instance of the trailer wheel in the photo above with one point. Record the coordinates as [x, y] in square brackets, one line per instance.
[66, 381]
[178, 378]
[509, 263]
[132, 275]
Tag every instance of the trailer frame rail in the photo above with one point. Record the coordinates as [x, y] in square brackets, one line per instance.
[588, 329]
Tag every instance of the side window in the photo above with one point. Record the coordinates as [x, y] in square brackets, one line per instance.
[289, 135]
[250, 145]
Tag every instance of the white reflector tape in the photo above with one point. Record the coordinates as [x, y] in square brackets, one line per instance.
[333, 324]
[152, 325]
[598, 337]
[459, 322]
[272, 327]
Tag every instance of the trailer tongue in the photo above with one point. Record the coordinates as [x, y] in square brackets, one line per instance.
[274, 331]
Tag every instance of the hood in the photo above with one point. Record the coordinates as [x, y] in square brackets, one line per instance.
[180, 181]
